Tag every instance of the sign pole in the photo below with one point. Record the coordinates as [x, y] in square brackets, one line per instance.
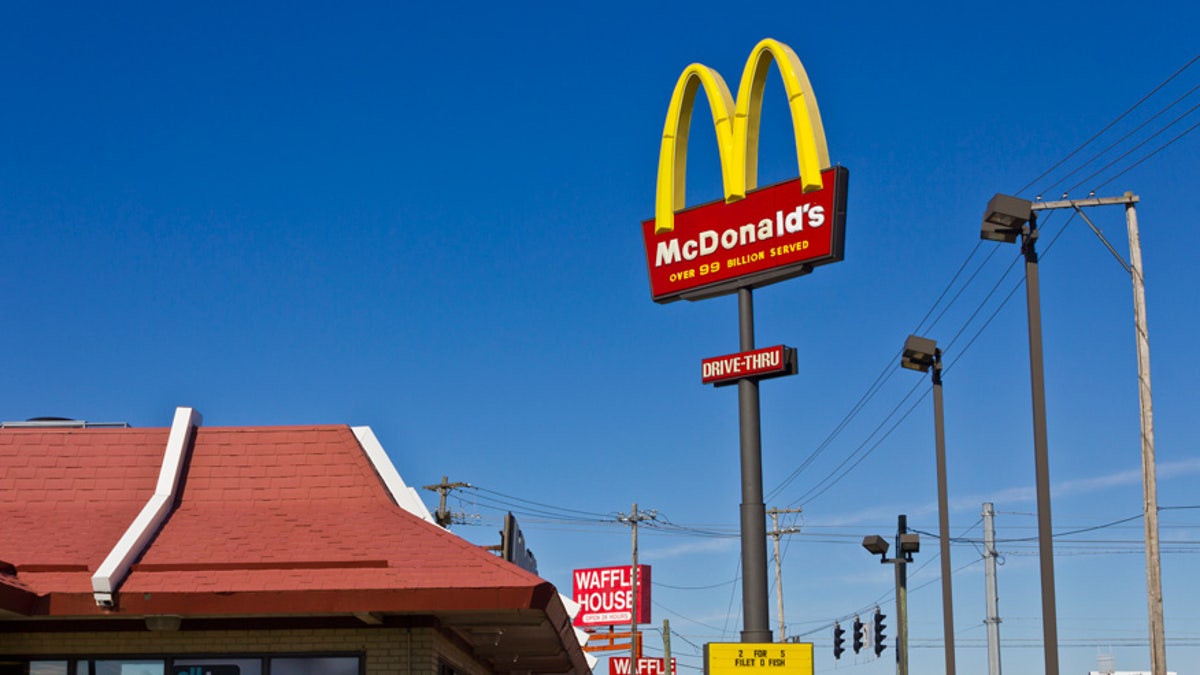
[755, 610]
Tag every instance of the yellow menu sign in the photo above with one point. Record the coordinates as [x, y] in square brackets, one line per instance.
[768, 658]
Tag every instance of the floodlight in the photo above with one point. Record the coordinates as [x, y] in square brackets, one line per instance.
[919, 353]
[1004, 217]
[875, 544]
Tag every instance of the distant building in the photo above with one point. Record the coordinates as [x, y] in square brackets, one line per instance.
[248, 551]
[1127, 673]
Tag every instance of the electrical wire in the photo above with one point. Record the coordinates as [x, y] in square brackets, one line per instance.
[1148, 156]
[1122, 139]
[1111, 124]
[1139, 146]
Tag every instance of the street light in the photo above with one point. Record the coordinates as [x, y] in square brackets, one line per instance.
[907, 543]
[922, 354]
[1005, 218]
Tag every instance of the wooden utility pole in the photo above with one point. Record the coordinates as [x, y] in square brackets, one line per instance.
[1158, 647]
[989, 570]
[634, 643]
[666, 649]
[443, 516]
[775, 533]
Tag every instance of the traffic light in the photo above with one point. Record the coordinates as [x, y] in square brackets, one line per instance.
[858, 635]
[839, 639]
[879, 636]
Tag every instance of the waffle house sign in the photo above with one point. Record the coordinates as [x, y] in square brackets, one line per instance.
[754, 236]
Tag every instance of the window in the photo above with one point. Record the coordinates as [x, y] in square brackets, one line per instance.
[325, 664]
[217, 666]
[129, 667]
[331, 665]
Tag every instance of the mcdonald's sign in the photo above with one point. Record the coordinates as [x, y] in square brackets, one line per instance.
[755, 236]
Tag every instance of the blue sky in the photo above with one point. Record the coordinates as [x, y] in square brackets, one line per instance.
[426, 220]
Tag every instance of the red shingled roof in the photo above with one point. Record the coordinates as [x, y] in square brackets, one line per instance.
[270, 521]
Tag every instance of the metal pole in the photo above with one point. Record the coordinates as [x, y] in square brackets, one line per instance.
[901, 600]
[989, 567]
[1040, 451]
[1158, 649]
[943, 515]
[755, 603]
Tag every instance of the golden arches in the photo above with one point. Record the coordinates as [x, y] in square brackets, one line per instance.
[737, 134]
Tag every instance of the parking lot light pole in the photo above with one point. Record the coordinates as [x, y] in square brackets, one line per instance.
[1006, 219]
[922, 354]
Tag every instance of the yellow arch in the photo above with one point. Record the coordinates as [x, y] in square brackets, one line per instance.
[737, 139]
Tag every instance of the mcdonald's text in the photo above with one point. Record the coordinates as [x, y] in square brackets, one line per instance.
[774, 233]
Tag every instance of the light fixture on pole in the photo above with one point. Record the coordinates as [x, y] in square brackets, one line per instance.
[907, 543]
[922, 354]
[1005, 219]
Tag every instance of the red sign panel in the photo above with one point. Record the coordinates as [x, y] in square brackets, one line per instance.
[619, 665]
[760, 363]
[775, 233]
[605, 595]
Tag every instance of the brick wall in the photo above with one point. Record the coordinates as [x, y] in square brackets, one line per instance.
[387, 650]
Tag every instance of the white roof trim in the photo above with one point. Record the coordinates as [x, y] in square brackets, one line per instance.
[404, 496]
[116, 565]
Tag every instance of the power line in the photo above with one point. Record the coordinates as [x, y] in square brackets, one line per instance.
[1157, 150]
[1138, 146]
[1110, 124]
[1122, 139]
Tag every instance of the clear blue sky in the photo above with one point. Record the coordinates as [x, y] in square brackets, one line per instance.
[426, 219]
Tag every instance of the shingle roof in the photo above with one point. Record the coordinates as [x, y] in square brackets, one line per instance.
[282, 522]
[270, 520]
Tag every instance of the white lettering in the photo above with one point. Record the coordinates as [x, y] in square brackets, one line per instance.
[675, 251]
[729, 239]
[689, 250]
[667, 253]
[816, 216]
[746, 235]
[795, 220]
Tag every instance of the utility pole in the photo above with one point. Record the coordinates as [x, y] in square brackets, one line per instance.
[901, 599]
[989, 569]
[666, 649]
[633, 521]
[775, 533]
[444, 517]
[1158, 647]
